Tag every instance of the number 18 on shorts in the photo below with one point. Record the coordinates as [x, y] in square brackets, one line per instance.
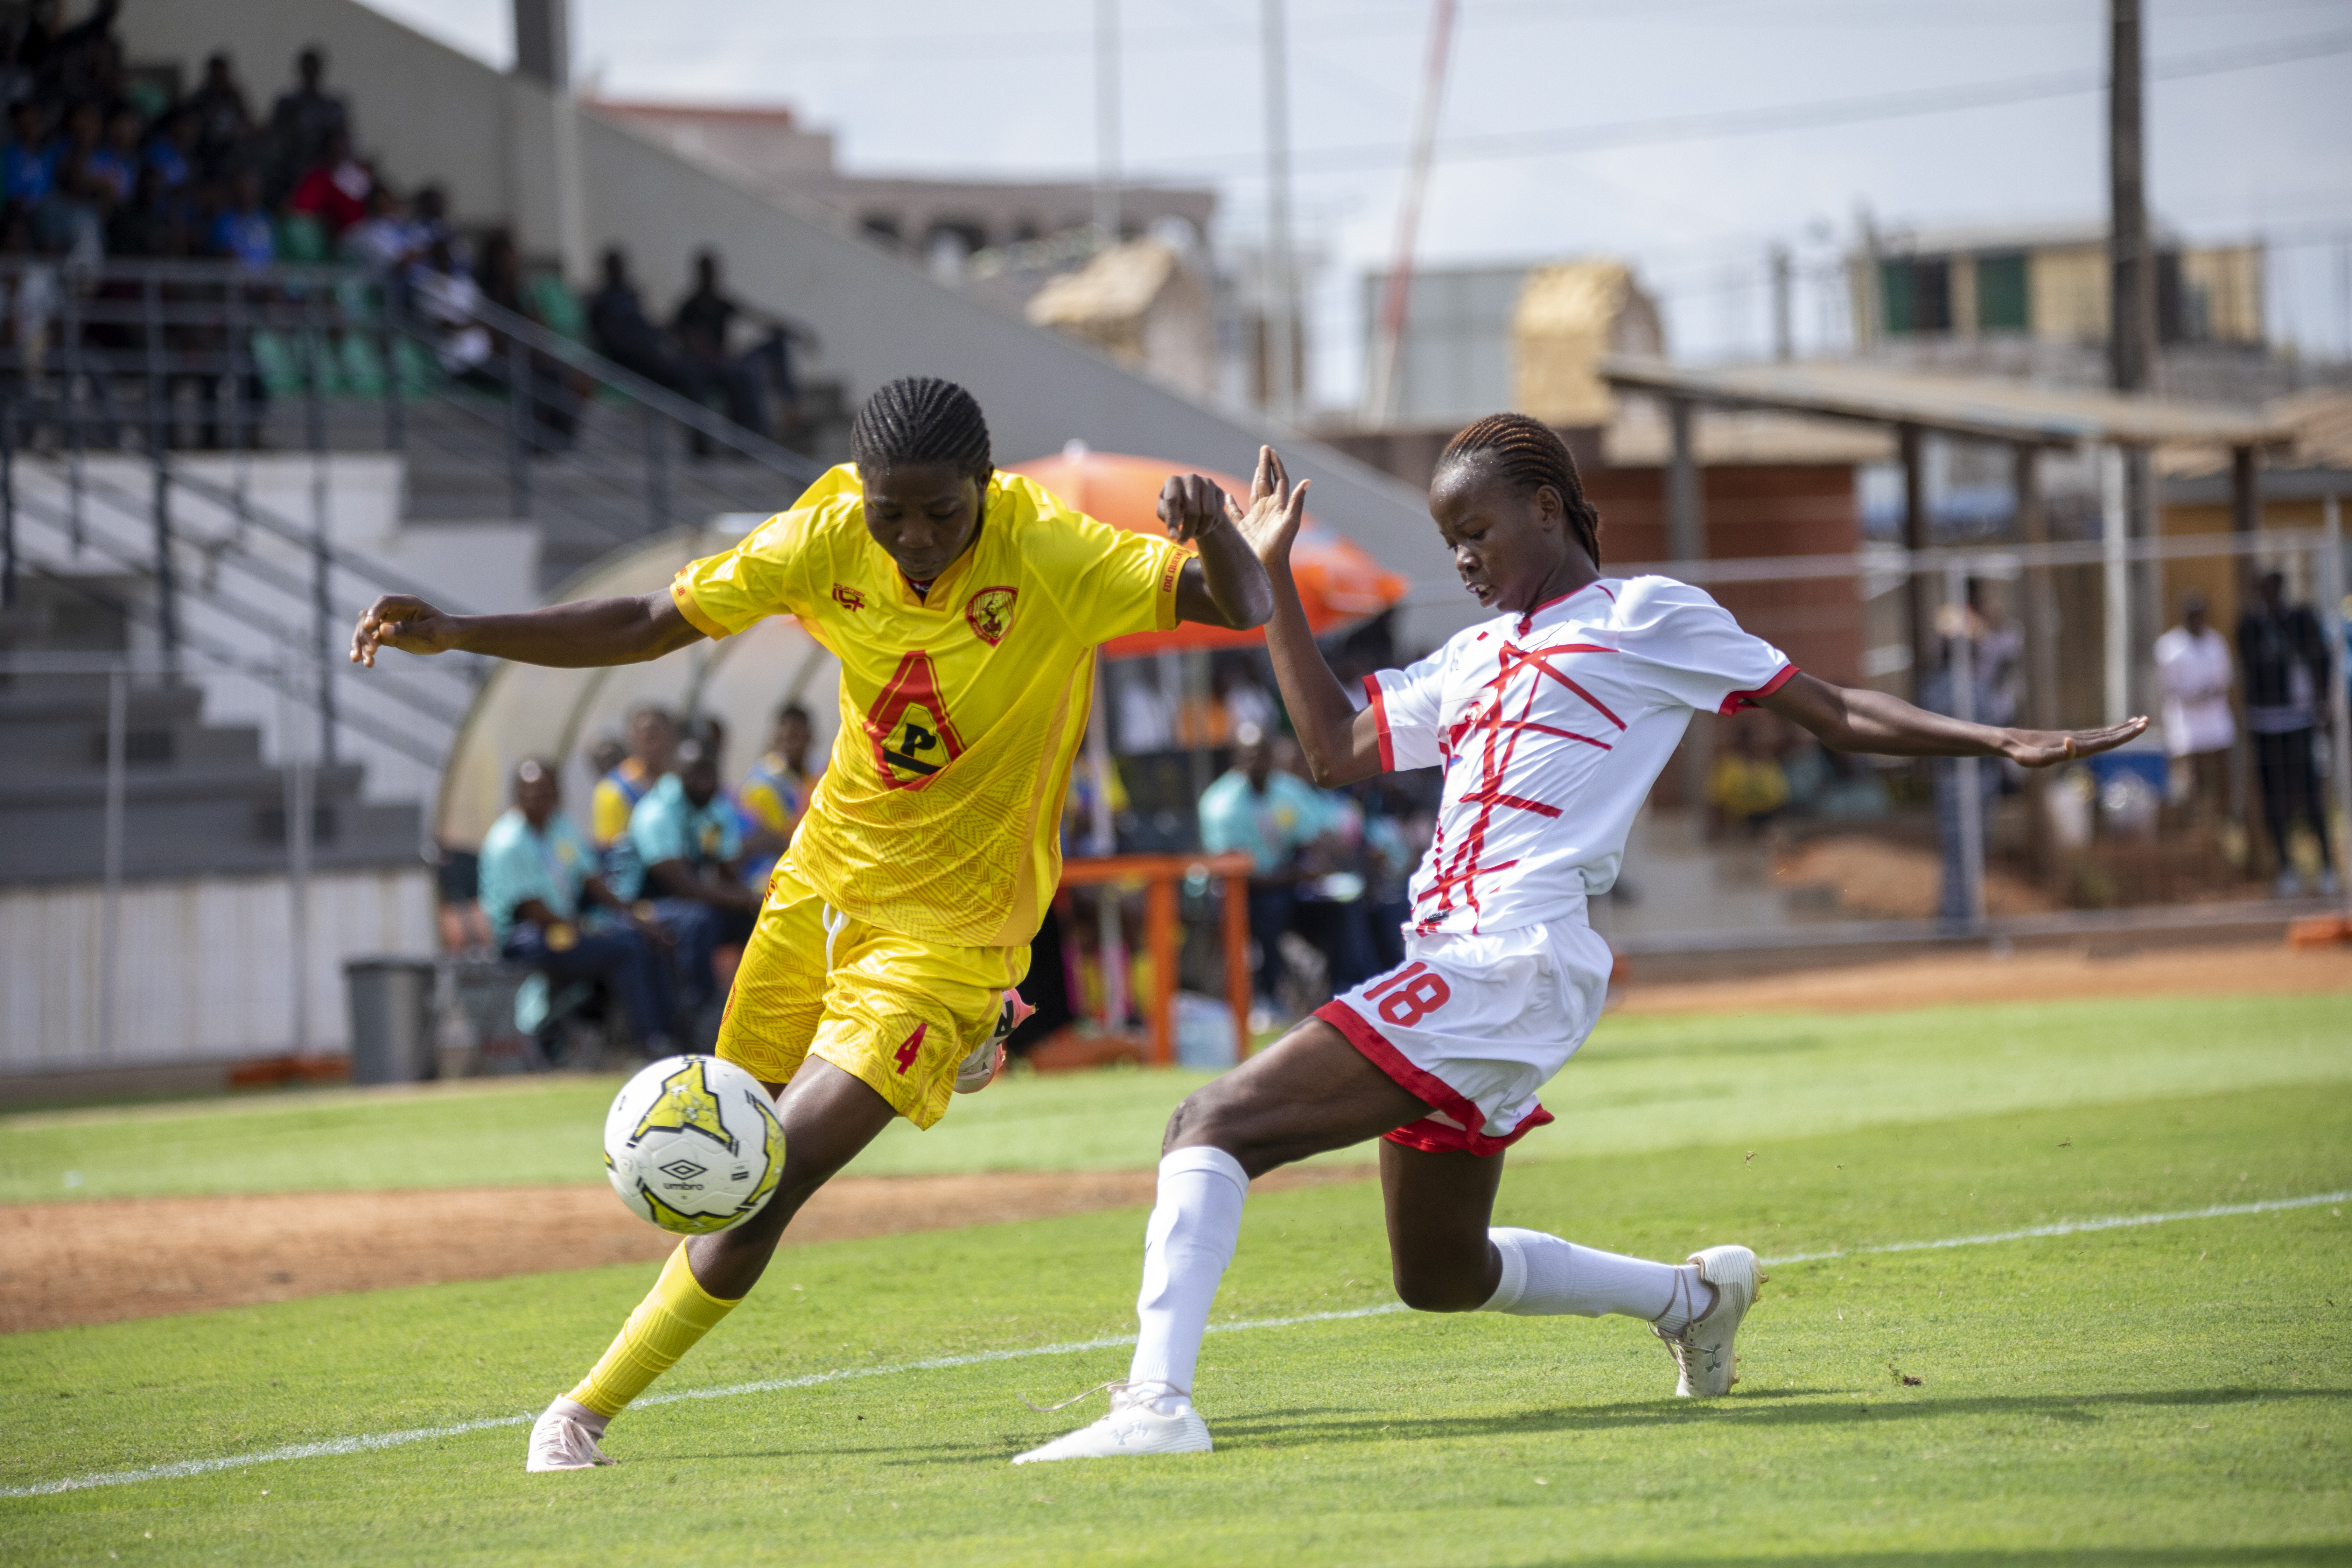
[1475, 1026]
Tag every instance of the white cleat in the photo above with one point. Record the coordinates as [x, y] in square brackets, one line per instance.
[1132, 1428]
[1703, 1350]
[564, 1439]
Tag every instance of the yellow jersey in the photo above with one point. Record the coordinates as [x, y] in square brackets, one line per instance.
[960, 709]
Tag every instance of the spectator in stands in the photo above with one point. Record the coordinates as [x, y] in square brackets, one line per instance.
[60, 57]
[1748, 785]
[172, 150]
[540, 889]
[555, 397]
[686, 839]
[242, 230]
[446, 296]
[429, 222]
[1147, 718]
[651, 751]
[703, 324]
[71, 219]
[28, 169]
[775, 794]
[625, 334]
[385, 242]
[1330, 911]
[334, 189]
[2194, 673]
[302, 121]
[223, 121]
[1276, 818]
[2287, 670]
[116, 162]
[148, 223]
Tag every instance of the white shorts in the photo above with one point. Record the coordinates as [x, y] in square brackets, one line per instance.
[1475, 1025]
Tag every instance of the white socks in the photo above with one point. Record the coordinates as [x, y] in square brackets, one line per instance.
[1191, 1238]
[1543, 1275]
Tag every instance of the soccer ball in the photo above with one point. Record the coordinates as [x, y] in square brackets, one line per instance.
[692, 1144]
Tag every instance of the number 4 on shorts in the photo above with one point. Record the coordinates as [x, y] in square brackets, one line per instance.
[905, 1055]
[1413, 992]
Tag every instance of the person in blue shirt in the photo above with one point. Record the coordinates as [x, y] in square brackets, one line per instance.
[1286, 827]
[28, 169]
[686, 836]
[242, 232]
[546, 906]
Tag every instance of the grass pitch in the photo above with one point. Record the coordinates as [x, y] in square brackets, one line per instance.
[2172, 1393]
[1642, 1083]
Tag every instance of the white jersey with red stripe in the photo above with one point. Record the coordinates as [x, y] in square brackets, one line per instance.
[1552, 727]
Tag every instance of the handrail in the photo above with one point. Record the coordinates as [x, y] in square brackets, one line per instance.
[661, 399]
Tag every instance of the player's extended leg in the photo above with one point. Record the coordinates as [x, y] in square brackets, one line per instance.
[1312, 1092]
[828, 1116]
[1447, 1258]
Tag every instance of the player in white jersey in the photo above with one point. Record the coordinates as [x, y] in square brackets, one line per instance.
[1551, 721]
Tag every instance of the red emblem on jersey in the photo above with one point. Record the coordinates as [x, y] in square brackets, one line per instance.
[847, 597]
[990, 611]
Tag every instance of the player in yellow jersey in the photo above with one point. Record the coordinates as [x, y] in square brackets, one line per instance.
[965, 606]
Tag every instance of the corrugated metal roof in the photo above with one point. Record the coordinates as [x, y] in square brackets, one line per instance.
[1950, 405]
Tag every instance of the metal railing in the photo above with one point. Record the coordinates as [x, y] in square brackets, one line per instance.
[159, 361]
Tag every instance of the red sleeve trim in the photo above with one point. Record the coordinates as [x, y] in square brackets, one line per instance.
[1463, 1132]
[1739, 700]
[1380, 717]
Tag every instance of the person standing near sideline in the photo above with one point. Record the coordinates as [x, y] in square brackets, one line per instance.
[2193, 673]
[2287, 670]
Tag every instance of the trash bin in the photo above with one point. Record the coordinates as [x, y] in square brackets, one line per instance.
[392, 1018]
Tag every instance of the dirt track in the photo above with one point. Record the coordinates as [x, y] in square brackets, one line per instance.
[108, 1259]
[2266, 968]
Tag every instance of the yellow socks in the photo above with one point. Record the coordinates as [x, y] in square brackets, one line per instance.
[664, 1326]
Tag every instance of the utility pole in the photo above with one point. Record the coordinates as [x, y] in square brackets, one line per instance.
[2131, 336]
[1380, 391]
[2131, 342]
[1282, 304]
[1107, 118]
[1784, 330]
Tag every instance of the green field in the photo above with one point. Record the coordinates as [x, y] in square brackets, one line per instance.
[1642, 1083]
[2178, 1393]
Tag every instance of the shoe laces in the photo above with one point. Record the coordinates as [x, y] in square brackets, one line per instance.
[1120, 1387]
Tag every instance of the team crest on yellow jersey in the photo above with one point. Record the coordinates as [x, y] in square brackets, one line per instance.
[687, 1105]
[909, 725]
[990, 611]
[847, 597]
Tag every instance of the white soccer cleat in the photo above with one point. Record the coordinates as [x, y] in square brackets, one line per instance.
[979, 1068]
[1132, 1428]
[564, 1439]
[1703, 1350]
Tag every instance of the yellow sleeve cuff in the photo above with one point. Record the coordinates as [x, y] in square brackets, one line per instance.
[1171, 572]
[682, 595]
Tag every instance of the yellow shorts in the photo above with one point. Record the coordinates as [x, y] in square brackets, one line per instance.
[899, 1013]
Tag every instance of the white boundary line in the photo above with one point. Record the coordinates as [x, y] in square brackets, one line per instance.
[335, 1446]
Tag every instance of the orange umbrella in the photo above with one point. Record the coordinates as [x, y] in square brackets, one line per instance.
[1338, 582]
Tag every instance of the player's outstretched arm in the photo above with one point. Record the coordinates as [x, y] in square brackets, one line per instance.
[568, 636]
[1341, 745]
[1848, 718]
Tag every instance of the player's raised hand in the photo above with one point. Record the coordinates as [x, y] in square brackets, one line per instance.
[2044, 748]
[1193, 504]
[402, 621]
[1276, 508]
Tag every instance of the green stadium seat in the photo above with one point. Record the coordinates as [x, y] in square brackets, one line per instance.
[302, 239]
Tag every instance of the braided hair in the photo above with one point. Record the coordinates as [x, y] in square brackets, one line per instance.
[921, 419]
[1529, 454]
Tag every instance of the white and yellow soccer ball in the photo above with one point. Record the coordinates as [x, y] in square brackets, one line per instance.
[692, 1144]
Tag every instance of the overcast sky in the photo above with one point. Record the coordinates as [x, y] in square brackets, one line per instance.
[1005, 88]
